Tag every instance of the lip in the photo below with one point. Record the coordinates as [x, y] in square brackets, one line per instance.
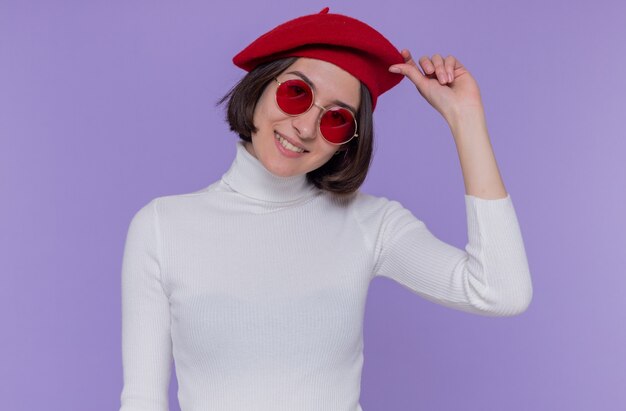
[285, 152]
[291, 141]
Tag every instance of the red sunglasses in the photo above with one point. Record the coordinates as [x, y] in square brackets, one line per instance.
[337, 124]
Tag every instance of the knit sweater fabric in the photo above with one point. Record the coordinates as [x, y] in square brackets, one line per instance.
[255, 288]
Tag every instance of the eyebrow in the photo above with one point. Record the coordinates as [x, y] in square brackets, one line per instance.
[310, 83]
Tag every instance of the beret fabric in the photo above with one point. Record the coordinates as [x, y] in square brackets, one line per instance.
[344, 41]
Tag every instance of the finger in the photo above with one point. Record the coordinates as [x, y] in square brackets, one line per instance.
[412, 72]
[449, 63]
[408, 58]
[427, 65]
[442, 76]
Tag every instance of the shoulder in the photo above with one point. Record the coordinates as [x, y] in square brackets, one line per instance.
[375, 213]
[369, 206]
[177, 204]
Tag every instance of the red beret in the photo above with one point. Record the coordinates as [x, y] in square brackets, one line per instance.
[344, 41]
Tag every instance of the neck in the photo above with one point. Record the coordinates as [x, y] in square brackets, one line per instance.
[248, 176]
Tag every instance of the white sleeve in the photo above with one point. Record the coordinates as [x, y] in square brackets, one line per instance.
[146, 340]
[490, 277]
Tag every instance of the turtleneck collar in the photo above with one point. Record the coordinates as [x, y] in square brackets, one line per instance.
[248, 176]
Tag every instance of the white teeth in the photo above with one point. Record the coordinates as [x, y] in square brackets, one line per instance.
[288, 145]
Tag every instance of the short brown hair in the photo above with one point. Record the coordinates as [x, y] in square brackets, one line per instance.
[343, 173]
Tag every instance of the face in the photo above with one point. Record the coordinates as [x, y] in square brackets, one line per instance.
[331, 85]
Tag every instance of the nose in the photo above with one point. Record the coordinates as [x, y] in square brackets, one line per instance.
[305, 124]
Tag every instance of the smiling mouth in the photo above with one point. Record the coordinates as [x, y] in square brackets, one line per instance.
[285, 143]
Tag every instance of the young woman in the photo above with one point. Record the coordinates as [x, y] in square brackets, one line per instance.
[255, 285]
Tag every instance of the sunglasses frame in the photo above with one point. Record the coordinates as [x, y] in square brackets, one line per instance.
[324, 110]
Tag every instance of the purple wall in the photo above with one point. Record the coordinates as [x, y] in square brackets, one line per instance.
[105, 105]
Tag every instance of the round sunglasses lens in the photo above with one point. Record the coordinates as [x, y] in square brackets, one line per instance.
[338, 125]
[294, 96]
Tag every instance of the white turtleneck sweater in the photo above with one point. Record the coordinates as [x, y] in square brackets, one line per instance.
[255, 287]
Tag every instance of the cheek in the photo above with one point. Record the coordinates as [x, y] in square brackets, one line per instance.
[266, 110]
[259, 115]
[329, 155]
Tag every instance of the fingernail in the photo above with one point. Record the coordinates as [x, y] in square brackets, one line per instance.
[394, 69]
[451, 77]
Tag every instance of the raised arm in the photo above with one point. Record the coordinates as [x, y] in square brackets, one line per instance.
[146, 341]
[491, 276]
